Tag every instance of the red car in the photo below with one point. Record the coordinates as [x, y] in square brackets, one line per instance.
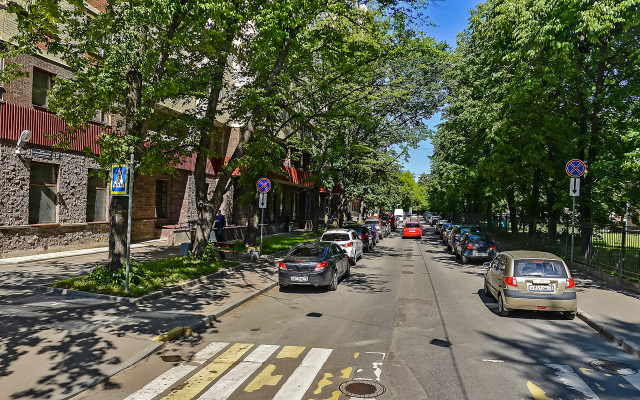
[412, 229]
[390, 220]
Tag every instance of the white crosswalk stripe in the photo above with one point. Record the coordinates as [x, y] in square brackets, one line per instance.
[296, 386]
[164, 381]
[633, 379]
[224, 387]
[567, 375]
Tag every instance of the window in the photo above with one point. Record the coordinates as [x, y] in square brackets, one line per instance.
[161, 198]
[96, 199]
[42, 193]
[102, 117]
[41, 86]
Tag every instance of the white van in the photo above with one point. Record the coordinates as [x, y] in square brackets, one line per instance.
[399, 213]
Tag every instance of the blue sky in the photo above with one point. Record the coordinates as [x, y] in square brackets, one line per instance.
[451, 17]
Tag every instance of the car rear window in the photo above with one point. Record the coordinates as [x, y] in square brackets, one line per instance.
[540, 268]
[309, 252]
[480, 236]
[335, 237]
[412, 225]
[466, 229]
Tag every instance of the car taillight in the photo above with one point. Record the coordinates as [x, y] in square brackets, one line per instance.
[282, 266]
[493, 247]
[470, 247]
[350, 244]
[363, 236]
[569, 284]
[511, 281]
[322, 266]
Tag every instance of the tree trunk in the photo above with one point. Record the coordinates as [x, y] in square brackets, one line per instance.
[534, 204]
[511, 203]
[315, 209]
[253, 224]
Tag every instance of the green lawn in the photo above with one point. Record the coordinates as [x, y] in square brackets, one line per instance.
[144, 277]
[274, 244]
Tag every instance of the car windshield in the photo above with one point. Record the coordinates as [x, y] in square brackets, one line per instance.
[309, 251]
[466, 229]
[412, 225]
[359, 229]
[481, 237]
[540, 268]
[335, 237]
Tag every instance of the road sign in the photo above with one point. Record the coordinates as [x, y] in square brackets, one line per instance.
[262, 202]
[575, 168]
[263, 185]
[574, 187]
[119, 179]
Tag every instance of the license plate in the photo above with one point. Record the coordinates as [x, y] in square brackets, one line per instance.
[542, 288]
[480, 254]
[299, 279]
[411, 231]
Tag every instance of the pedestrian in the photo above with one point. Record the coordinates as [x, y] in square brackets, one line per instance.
[221, 222]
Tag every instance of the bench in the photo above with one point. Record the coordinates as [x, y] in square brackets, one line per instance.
[227, 247]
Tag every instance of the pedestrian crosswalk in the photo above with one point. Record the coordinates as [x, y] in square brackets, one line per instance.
[223, 371]
[267, 371]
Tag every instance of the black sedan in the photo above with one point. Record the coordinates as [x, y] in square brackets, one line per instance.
[476, 246]
[314, 263]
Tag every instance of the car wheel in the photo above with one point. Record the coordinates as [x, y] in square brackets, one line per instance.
[502, 310]
[457, 255]
[453, 250]
[570, 315]
[334, 281]
[282, 288]
[464, 259]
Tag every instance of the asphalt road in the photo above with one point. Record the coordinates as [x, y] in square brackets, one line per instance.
[411, 320]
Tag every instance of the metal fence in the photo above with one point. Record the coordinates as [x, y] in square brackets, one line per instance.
[611, 248]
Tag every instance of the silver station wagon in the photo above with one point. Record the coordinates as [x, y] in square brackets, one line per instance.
[531, 280]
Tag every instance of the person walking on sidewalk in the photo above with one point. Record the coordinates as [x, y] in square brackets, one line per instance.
[219, 226]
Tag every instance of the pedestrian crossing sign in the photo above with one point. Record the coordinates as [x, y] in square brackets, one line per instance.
[119, 179]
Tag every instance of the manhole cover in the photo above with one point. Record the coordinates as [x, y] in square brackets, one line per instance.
[362, 389]
[613, 367]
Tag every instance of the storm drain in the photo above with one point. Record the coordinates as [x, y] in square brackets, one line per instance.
[613, 367]
[362, 389]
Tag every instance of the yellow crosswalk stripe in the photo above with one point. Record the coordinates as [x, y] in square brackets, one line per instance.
[197, 383]
[290, 352]
[265, 378]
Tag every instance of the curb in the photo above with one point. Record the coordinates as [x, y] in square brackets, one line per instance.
[626, 345]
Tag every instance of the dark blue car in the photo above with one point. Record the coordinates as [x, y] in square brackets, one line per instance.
[314, 263]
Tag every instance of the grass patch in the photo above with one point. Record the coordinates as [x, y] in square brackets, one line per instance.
[275, 244]
[145, 277]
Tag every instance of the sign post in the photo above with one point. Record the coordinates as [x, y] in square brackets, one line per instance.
[575, 169]
[263, 185]
[126, 281]
[122, 185]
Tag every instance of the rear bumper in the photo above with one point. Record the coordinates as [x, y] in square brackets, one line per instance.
[469, 254]
[516, 300]
[314, 278]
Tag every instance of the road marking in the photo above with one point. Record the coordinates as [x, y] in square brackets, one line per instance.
[346, 373]
[633, 379]
[324, 382]
[233, 379]
[290, 352]
[494, 361]
[586, 371]
[265, 378]
[298, 383]
[209, 373]
[536, 392]
[599, 387]
[164, 381]
[567, 376]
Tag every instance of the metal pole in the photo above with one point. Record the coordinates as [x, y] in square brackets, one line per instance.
[261, 219]
[573, 223]
[126, 282]
[624, 240]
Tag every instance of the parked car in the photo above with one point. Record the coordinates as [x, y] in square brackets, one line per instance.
[374, 233]
[386, 228]
[391, 221]
[446, 226]
[412, 229]
[434, 219]
[365, 235]
[531, 280]
[438, 225]
[347, 239]
[314, 263]
[476, 246]
[456, 234]
[377, 224]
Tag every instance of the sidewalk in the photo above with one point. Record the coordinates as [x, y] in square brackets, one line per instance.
[55, 345]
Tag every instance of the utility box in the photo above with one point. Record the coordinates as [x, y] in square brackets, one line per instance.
[185, 248]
